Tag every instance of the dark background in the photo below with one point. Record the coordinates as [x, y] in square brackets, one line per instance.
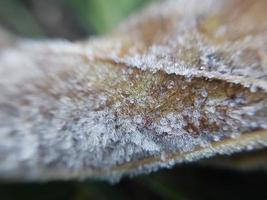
[181, 183]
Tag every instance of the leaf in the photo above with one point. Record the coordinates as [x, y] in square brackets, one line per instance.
[178, 82]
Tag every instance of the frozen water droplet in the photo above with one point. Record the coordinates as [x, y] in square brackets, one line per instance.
[216, 138]
[202, 67]
[253, 88]
[163, 121]
[131, 101]
[170, 84]
[163, 156]
[138, 119]
[204, 93]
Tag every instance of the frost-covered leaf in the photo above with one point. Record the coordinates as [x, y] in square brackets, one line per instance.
[178, 82]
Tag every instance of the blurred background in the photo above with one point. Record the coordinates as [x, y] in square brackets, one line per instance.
[79, 19]
[70, 19]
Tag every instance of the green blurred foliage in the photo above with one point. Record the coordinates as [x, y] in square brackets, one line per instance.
[14, 14]
[103, 15]
[26, 18]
